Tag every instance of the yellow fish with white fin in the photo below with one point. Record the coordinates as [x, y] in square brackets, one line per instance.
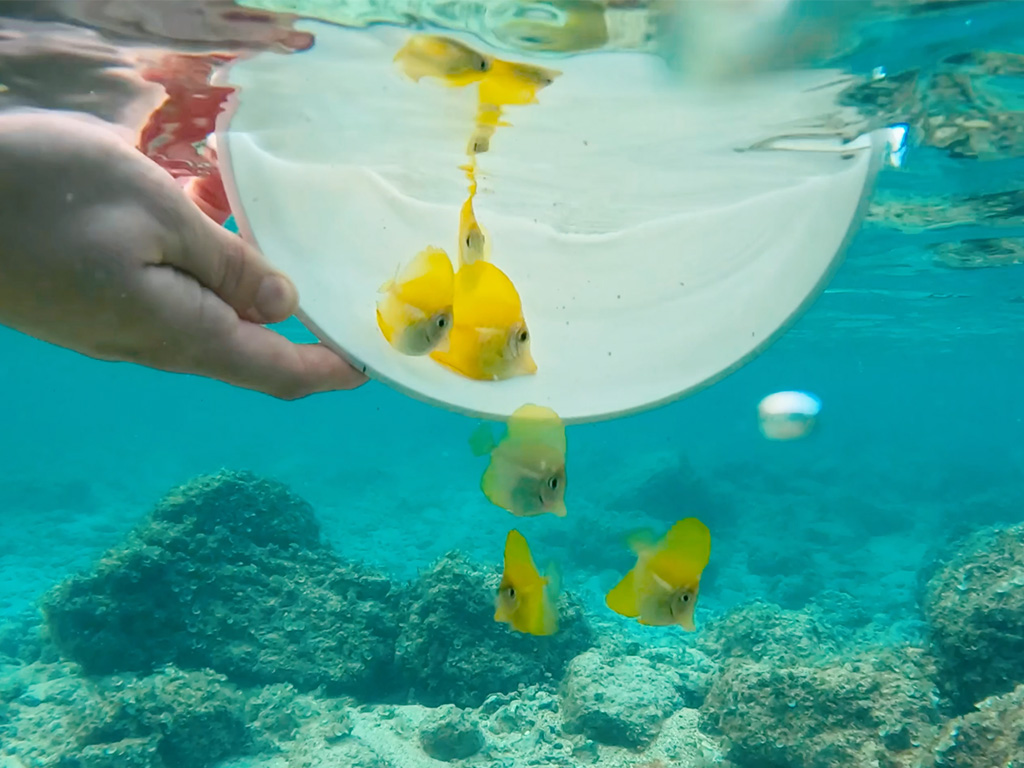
[474, 243]
[526, 475]
[661, 590]
[511, 83]
[444, 58]
[489, 340]
[526, 599]
[415, 312]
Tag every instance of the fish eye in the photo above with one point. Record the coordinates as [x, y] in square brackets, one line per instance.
[442, 321]
[524, 336]
[553, 483]
[512, 593]
[686, 598]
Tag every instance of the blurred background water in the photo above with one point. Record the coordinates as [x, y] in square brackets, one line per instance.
[916, 350]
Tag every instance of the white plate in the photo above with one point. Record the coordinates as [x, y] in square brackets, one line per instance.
[655, 252]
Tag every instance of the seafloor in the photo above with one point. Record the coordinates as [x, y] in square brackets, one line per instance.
[227, 628]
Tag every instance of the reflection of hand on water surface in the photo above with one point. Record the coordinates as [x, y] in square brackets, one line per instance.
[101, 252]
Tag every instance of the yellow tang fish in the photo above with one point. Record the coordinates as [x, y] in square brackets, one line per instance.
[526, 600]
[415, 313]
[661, 590]
[449, 60]
[489, 340]
[526, 475]
[474, 244]
[512, 83]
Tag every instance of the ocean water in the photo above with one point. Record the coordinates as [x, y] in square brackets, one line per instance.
[198, 576]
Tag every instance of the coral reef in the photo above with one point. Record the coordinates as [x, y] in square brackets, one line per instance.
[991, 736]
[974, 606]
[450, 649]
[619, 702]
[454, 734]
[764, 632]
[865, 711]
[172, 719]
[229, 574]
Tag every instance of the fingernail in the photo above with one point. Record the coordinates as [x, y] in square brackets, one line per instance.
[276, 298]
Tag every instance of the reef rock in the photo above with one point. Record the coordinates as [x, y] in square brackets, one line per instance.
[451, 650]
[991, 736]
[172, 719]
[761, 631]
[877, 710]
[229, 573]
[974, 606]
[619, 702]
[453, 734]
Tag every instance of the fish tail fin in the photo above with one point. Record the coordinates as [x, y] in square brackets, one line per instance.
[481, 442]
[622, 597]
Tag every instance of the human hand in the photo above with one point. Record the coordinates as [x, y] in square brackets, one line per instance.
[101, 252]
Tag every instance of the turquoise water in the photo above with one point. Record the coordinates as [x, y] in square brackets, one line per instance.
[865, 592]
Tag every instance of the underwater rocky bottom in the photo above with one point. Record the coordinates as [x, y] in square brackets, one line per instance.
[224, 631]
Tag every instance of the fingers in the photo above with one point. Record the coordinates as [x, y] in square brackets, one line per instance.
[202, 335]
[256, 358]
[231, 268]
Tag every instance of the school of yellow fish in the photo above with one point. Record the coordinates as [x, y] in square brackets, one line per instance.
[470, 319]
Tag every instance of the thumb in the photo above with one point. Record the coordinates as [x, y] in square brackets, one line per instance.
[225, 264]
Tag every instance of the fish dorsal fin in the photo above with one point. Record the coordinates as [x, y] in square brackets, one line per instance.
[691, 539]
[536, 425]
[428, 281]
[519, 567]
[683, 554]
[485, 297]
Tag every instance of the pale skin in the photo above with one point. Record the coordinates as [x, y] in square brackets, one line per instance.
[102, 252]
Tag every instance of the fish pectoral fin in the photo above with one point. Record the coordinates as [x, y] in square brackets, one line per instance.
[641, 540]
[553, 575]
[622, 597]
[661, 582]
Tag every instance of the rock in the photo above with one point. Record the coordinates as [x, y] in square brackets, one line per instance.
[453, 735]
[974, 606]
[229, 574]
[761, 631]
[618, 702]
[129, 753]
[991, 736]
[172, 719]
[195, 719]
[876, 710]
[451, 650]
